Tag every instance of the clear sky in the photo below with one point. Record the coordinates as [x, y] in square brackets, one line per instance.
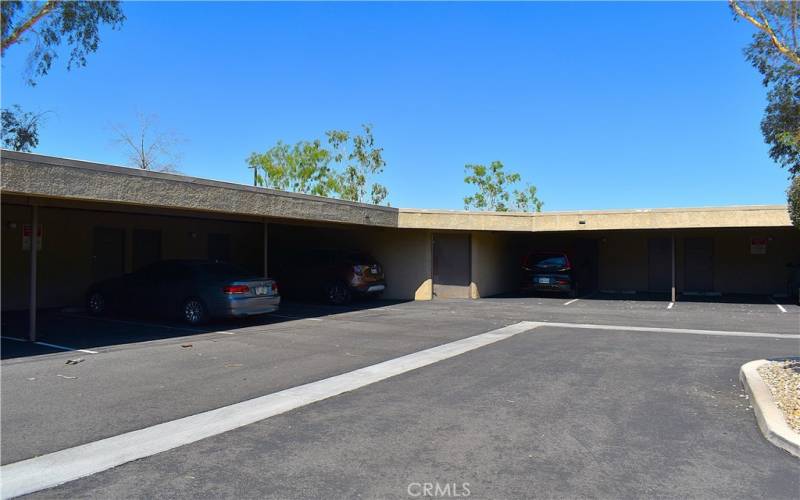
[623, 105]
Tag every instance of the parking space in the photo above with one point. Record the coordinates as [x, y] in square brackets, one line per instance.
[147, 372]
[551, 412]
[61, 331]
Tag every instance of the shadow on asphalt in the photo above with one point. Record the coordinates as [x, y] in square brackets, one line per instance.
[77, 330]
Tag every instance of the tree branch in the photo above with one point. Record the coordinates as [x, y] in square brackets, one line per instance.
[766, 28]
[15, 36]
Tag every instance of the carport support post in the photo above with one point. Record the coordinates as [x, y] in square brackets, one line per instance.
[672, 251]
[34, 252]
[266, 247]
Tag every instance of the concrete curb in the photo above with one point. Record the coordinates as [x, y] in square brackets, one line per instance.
[768, 415]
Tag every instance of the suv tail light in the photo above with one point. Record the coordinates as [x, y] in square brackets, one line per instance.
[235, 289]
[275, 287]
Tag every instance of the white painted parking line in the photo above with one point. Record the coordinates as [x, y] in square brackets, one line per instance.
[571, 301]
[65, 348]
[294, 317]
[13, 338]
[723, 333]
[783, 309]
[140, 323]
[66, 465]
[671, 304]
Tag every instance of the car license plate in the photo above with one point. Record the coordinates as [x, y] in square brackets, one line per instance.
[261, 290]
[374, 269]
[543, 281]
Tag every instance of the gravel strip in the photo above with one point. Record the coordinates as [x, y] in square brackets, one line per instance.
[783, 380]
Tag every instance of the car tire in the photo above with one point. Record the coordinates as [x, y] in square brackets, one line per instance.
[96, 303]
[193, 311]
[338, 294]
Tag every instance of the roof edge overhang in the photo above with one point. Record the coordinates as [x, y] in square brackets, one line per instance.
[43, 176]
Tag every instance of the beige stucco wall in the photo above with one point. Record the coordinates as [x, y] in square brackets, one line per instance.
[65, 265]
[80, 195]
[404, 254]
[494, 266]
[737, 270]
[711, 217]
[65, 261]
[50, 177]
[45, 176]
[406, 259]
[623, 261]
[623, 257]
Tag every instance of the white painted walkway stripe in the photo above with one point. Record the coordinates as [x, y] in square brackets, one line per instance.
[671, 304]
[783, 309]
[62, 466]
[571, 301]
[65, 348]
[723, 333]
[13, 338]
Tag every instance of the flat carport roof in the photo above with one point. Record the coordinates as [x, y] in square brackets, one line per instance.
[51, 177]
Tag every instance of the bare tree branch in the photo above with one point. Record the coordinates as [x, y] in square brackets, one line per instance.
[20, 30]
[765, 27]
[149, 148]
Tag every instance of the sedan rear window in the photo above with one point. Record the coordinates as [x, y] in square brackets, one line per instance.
[546, 261]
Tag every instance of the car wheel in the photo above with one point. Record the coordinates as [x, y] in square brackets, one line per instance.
[96, 303]
[338, 294]
[194, 312]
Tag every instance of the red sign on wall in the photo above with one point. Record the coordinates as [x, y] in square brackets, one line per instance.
[758, 246]
[27, 232]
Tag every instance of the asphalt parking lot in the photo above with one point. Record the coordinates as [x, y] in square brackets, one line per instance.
[594, 400]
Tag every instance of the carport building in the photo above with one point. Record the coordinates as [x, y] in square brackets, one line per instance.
[69, 223]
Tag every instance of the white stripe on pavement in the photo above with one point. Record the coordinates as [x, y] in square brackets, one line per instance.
[723, 333]
[670, 305]
[571, 301]
[65, 348]
[13, 338]
[783, 309]
[50, 470]
[66, 465]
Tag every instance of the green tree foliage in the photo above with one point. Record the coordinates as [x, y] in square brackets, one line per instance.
[344, 169]
[775, 53]
[20, 129]
[492, 185]
[301, 168]
[50, 24]
[359, 160]
[793, 195]
[526, 199]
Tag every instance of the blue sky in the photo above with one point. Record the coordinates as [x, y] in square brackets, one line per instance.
[624, 105]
